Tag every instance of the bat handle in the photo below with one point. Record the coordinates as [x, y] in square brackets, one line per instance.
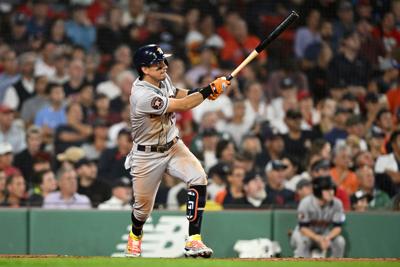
[230, 77]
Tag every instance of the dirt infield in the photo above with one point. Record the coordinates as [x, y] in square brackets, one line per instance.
[10, 256]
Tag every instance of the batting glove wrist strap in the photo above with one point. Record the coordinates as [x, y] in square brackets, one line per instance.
[206, 91]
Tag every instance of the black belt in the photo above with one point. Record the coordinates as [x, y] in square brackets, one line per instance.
[158, 148]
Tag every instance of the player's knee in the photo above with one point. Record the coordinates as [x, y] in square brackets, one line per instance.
[339, 241]
[201, 180]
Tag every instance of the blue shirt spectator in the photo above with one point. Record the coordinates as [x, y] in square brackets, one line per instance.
[80, 30]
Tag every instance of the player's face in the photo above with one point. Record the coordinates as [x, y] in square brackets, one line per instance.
[327, 195]
[157, 72]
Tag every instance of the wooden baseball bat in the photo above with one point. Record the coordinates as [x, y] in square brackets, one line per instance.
[293, 16]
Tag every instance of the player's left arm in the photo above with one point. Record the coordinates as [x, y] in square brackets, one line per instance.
[335, 231]
[181, 93]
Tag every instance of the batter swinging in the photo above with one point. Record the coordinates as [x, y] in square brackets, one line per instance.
[157, 148]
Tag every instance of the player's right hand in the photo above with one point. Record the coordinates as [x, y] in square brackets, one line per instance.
[218, 86]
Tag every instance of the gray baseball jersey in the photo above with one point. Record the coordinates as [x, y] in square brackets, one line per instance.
[317, 218]
[152, 125]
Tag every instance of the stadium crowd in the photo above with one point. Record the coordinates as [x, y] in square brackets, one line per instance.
[323, 100]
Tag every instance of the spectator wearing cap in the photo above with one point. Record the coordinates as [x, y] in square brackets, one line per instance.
[23, 89]
[24, 159]
[98, 142]
[344, 24]
[15, 191]
[88, 184]
[53, 114]
[277, 194]
[384, 123]
[39, 23]
[121, 196]
[359, 201]
[10, 130]
[10, 74]
[355, 127]
[233, 193]
[254, 189]
[32, 105]
[74, 132]
[321, 167]
[70, 156]
[2, 186]
[80, 29]
[76, 78]
[45, 183]
[307, 34]
[378, 199]
[303, 189]
[340, 172]
[387, 167]
[237, 127]
[67, 197]
[279, 105]
[338, 133]
[387, 32]
[111, 162]
[297, 141]
[349, 65]
[217, 179]
[18, 36]
[273, 146]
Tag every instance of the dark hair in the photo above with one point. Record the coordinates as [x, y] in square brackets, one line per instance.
[394, 136]
[221, 145]
[51, 86]
[38, 176]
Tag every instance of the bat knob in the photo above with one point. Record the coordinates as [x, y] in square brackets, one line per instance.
[230, 77]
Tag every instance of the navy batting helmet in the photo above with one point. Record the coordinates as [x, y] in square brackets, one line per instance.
[148, 55]
[322, 183]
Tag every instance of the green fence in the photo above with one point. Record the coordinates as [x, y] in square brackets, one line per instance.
[104, 233]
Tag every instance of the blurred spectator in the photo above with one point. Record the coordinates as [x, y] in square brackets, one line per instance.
[80, 29]
[10, 130]
[233, 193]
[341, 174]
[111, 162]
[102, 111]
[9, 74]
[359, 201]
[110, 34]
[45, 183]
[348, 65]
[124, 81]
[355, 127]
[57, 33]
[364, 158]
[393, 98]
[135, 13]
[246, 161]
[338, 133]
[24, 159]
[387, 32]
[377, 199]
[217, 179]
[321, 148]
[53, 114]
[376, 144]
[67, 196]
[98, 142]
[18, 35]
[277, 194]
[237, 127]
[44, 65]
[92, 72]
[309, 113]
[256, 107]
[273, 147]
[292, 172]
[225, 151]
[86, 99]
[110, 87]
[15, 191]
[32, 105]
[254, 188]
[384, 123]
[344, 24]
[204, 146]
[307, 34]
[76, 78]
[250, 145]
[23, 89]
[297, 141]
[387, 167]
[73, 132]
[123, 55]
[372, 107]
[326, 108]
[303, 189]
[39, 23]
[121, 196]
[88, 184]
[389, 69]
[116, 127]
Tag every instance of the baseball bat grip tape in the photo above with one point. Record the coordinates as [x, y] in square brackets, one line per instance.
[247, 60]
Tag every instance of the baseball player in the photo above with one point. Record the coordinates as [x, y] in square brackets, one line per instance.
[320, 218]
[157, 148]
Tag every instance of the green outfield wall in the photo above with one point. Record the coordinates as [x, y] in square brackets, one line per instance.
[104, 233]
